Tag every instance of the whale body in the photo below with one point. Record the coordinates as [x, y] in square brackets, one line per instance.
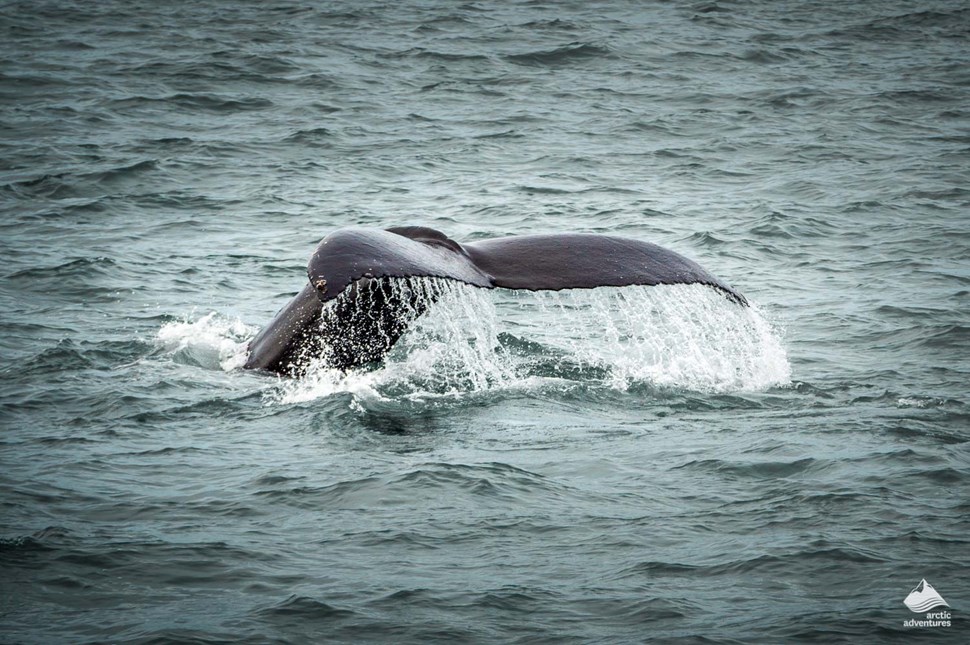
[349, 314]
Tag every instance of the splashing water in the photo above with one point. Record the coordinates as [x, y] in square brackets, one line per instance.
[213, 341]
[455, 346]
[472, 340]
[684, 336]
[451, 349]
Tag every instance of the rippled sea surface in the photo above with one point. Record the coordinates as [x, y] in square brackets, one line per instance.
[606, 466]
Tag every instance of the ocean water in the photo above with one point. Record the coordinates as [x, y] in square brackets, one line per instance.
[606, 466]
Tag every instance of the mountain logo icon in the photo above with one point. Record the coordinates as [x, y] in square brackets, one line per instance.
[923, 598]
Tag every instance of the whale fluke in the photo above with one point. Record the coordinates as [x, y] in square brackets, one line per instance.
[349, 316]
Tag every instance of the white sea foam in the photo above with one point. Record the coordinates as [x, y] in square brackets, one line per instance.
[213, 341]
[681, 336]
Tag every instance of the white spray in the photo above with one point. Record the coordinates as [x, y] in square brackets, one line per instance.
[679, 336]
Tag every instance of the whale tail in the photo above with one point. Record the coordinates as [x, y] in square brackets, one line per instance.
[363, 293]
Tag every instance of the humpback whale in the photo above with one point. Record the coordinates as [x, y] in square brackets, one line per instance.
[348, 314]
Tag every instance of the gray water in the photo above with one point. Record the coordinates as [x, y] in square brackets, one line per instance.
[625, 465]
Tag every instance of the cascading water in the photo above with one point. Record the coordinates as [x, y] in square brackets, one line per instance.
[685, 336]
[462, 339]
